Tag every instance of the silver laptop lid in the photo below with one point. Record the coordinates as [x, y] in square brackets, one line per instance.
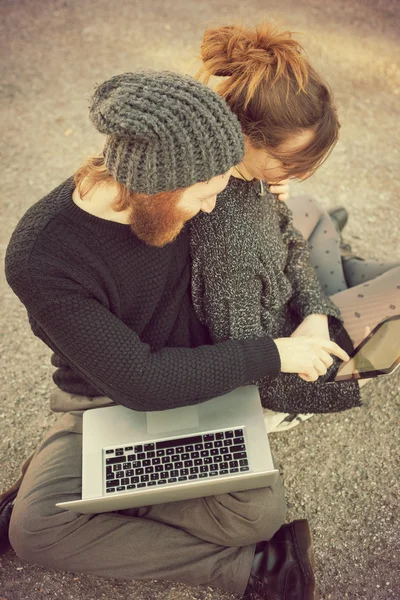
[159, 457]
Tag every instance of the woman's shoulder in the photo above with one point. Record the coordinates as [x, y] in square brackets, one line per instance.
[241, 197]
[247, 202]
[241, 213]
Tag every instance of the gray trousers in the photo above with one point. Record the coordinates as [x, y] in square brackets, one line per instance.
[203, 541]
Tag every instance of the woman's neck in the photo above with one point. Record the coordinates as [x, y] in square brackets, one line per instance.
[240, 172]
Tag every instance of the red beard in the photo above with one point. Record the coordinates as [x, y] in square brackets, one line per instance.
[158, 220]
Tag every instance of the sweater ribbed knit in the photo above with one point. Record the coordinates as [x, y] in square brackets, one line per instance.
[118, 314]
[251, 276]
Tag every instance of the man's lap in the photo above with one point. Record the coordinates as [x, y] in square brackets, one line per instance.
[108, 544]
[55, 475]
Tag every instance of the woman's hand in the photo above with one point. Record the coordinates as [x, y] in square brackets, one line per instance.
[309, 356]
[281, 188]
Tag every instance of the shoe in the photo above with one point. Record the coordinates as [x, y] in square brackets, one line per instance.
[339, 216]
[285, 566]
[276, 422]
[6, 506]
[346, 251]
[292, 421]
[5, 518]
[346, 257]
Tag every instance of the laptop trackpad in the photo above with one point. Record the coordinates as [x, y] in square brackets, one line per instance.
[162, 421]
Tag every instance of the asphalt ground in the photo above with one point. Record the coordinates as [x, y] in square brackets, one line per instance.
[341, 471]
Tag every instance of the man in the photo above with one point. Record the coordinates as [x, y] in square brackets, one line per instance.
[102, 266]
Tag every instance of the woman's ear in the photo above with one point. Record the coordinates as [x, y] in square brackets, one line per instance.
[247, 143]
[250, 148]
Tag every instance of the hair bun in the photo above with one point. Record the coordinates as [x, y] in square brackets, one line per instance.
[224, 72]
[216, 51]
[234, 50]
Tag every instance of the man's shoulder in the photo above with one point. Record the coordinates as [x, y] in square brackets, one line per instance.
[40, 214]
[33, 226]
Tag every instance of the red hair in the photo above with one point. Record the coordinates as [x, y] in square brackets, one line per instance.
[274, 91]
[93, 173]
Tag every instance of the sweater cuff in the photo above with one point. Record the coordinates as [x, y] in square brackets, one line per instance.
[261, 358]
[308, 306]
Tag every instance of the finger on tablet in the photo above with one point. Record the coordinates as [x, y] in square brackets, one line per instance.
[333, 348]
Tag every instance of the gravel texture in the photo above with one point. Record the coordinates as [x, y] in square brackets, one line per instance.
[341, 471]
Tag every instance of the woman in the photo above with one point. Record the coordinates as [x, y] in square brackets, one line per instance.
[247, 251]
[313, 222]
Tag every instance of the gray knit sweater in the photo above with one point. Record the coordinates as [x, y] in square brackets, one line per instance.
[251, 276]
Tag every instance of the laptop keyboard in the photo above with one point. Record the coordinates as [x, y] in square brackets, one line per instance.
[182, 459]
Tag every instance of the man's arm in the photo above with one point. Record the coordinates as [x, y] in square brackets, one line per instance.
[111, 356]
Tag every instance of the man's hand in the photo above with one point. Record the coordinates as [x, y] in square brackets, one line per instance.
[281, 188]
[309, 357]
[315, 326]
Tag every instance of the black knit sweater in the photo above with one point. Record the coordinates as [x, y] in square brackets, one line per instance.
[118, 314]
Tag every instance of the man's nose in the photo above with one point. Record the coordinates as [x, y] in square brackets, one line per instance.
[209, 205]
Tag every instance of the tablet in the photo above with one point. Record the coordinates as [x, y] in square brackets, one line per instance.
[378, 354]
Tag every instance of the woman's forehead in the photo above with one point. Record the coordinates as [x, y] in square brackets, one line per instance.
[298, 140]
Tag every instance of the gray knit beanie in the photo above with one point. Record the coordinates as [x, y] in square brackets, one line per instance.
[164, 131]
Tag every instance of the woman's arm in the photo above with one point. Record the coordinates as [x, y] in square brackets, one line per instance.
[226, 287]
[231, 275]
[290, 394]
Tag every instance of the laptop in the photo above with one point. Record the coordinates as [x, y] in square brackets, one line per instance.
[132, 459]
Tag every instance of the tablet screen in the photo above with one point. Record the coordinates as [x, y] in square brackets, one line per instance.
[376, 355]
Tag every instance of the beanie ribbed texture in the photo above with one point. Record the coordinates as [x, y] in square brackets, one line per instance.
[164, 131]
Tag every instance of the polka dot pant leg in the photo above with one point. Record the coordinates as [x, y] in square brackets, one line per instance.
[369, 303]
